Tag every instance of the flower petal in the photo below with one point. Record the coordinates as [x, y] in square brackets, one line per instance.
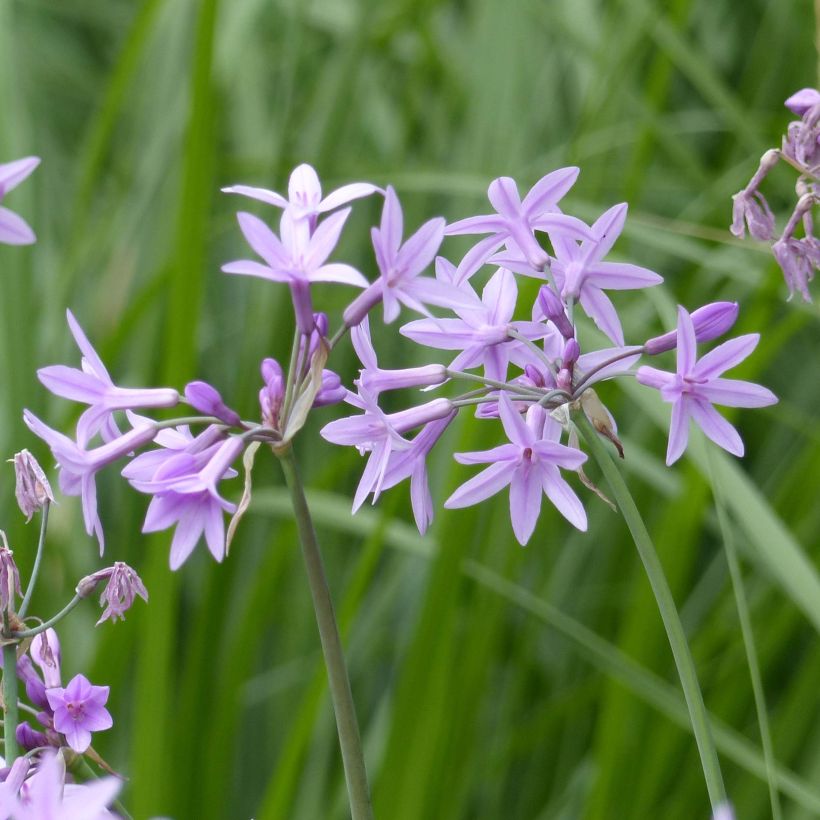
[261, 194]
[678, 430]
[716, 427]
[564, 498]
[726, 356]
[14, 230]
[488, 482]
[549, 190]
[345, 194]
[736, 393]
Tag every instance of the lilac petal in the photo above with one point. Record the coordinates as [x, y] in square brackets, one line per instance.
[304, 189]
[716, 427]
[525, 501]
[652, 377]
[736, 393]
[564, 498]
[262, 194]
[13, 173]
[435, 292]
[477, 256]
[678, 430]
[606, 230]
[391, 226]
[325, 238]
[469, 358]
[362, 344]
[186, 534]
[504, 197]
[70, 383]
[551, 451]
[345, 194]
[14, 230]
[549, 190]
[445, 334]
[500, 295]
[421, 248]
[369, 477]
[263, 240]
[504, 452]
[600, 309]
[215, 531]
[90, 423]
[79, 738]
[162, 512]
[488, 482]
[726, 356]
[339, 272]
[247, 267]
[391, 306]
[562, 224]
[514, 425]
[621, 276]
[687, 343]
[487, 223]
[517, 265]
[420, 498]
[86, 348]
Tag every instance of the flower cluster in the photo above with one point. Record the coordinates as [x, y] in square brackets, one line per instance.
[797, 256]
[531, 365]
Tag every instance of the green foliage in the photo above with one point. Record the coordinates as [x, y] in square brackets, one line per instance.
[492, 682]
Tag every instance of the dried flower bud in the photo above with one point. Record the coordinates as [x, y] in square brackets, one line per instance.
[710, 321]
[122, 588]
[801, 101]
[9, 577]
[31, 485]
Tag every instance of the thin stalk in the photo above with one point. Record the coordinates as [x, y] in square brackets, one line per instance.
[513, 388]
[9, 695]
[340, 333]
[669, 614]
[745, 619]
[343, 707]
[589, 374]
[514, 334]
[36, 630]
[37, 559]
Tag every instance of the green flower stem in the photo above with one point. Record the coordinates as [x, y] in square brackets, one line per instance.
[346, 724]
[9, 695]
[37, 559]
[513, 388]
[666, 605]
[745, 619]
[36, 630]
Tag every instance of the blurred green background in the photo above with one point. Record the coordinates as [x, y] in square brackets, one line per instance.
[491, 681]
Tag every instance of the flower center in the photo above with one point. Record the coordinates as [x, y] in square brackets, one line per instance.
[76, 710]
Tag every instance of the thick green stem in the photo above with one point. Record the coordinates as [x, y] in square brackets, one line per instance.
[9, 696]
[32, 581]
[669, 614]
[346, 723]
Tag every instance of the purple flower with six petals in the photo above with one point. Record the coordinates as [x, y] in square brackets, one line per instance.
[79, 710]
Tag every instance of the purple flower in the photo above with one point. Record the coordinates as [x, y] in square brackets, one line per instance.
[122, 588]
[529, 464]
[273, 393]
[296, 259]
[750, 209]
[186, 495]
[31, 488]
[45, 652]
[14, 230]
[401, 265]
[79, 466]
[798, 259]
[580, 274]
[481, 332]
[305, 199]
[93, 386]
[517, 220]
[46, 796]
[696, 386]
[79, 710]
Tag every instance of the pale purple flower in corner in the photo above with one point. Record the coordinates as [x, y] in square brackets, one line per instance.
[305, 200]
[516, 219]
[31, 487]
[78, 467]
[79, 710]
[120, 592]
[295, 259]
[46, 795]
[92, 385]
[696, 386]
[801, 101]
[529, 464]
[400, 266]
[14, 230]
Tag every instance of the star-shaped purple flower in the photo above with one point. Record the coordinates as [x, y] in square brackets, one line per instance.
[529, 464]
[696, 385]
[79, 710]
[14, 230]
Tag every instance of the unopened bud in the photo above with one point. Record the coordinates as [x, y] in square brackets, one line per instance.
[31, 485]
[205, 398]
[572, 351]
[9, 577]
[553, 310]
[710, 321]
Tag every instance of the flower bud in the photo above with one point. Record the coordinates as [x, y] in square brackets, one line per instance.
[9, 577]
[205, 398]
[30, 738]
[273, 393]
[31, 485]
[553, 310]
[572, 351]
[801, 101]
[710, 321]
[332, 390]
